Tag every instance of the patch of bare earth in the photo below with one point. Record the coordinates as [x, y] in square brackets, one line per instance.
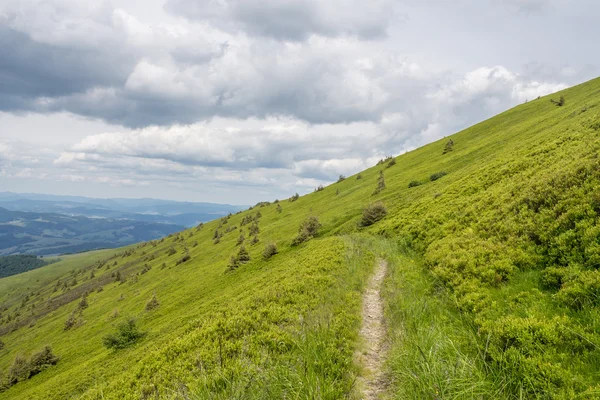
[372, 332]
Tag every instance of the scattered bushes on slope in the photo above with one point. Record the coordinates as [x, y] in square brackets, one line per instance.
[373, 213]
[308, 229]
[127, 333]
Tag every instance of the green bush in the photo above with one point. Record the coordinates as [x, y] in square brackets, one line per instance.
[270, 251]
[341, 178]
[414, 184]
[186, 257]
[127, 334]
[21, 369]
[582, 290]
[152, 303]
[373, 213]
[41, 360]
[172, 250]
[437, 175]
[391, 163]
[358, 177]
[308, 229]
[243, 256]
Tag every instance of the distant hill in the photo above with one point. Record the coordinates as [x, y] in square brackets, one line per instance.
[50, 233]
[187, 214]
[491, 238]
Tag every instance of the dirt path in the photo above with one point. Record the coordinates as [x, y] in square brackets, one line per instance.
[372, 333]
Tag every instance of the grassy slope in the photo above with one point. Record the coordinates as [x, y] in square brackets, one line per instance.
[517, 208]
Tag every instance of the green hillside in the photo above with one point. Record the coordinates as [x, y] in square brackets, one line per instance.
[492, 289]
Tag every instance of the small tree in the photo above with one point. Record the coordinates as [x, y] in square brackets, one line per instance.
[319, 188]
[254, 229]
[380, 183]
[254, 240]
[341, 178]
[243, 256]
[449, 146]
[279, 209]
[233, 263]
[42, 360]
[241, 239]
[294, 197]
[127, 333]
[358, 177]
[152, 303]
[83, 303]
[18, 371]
[391, 163]
[373, 213]
[308, 229]
[270, 251]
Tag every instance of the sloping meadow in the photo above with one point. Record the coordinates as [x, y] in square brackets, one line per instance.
[500, 221]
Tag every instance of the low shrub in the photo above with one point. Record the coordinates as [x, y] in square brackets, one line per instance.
[437, 175]
[183, 259]
[414, 184]
[270, 251]
[21, 369]
[127, 334]
[152, 303]
[391, 163]
[172, 251]
[358, 177]
[319, 188]
[373, 213]
[582, 290]
[341, 178]
[308, 229]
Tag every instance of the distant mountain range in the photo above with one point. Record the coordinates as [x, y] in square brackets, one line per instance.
[48, 224]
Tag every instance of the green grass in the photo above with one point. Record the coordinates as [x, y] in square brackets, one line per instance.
[492, 290]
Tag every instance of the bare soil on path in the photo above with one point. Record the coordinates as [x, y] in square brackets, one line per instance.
[372, 333]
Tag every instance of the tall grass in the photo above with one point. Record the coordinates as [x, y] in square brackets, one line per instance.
[434, 351]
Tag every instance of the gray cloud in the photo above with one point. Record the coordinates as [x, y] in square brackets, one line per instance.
[273, 97]
[294, 20]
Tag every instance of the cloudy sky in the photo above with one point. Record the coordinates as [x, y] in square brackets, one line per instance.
[245, 100]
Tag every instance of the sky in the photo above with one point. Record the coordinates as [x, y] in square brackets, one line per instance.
[240, 101]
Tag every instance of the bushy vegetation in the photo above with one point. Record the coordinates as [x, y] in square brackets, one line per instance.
[126, 334]
[373, 213]
[491, 291]
[414, 184]
[270, 251]
[308, 229]
[23, 369]
[437, 175]
[12, 265]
